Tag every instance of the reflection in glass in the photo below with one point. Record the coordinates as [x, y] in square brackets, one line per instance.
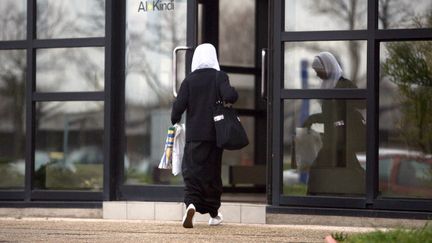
[312, 15]
[69, 145]
[13, 20]
[12, 112]
[237, 17]
[404, 14]
[70, 69]
[151, 36]
[298, 73]
[239, 159]
[70, 19]
[405, 119]
[245, 86]
[324, 146]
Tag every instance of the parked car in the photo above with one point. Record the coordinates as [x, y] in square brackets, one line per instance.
[405, 173]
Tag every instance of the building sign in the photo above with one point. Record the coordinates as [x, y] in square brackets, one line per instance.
[148, 6]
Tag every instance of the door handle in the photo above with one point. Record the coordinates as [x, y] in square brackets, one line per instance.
[174, 66]
[263, 71]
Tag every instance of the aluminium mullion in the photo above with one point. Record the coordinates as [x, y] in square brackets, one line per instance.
[69, 195]
[277, 104]
[12, 45]
[69, 96]
[406, 204]
[30, 109]
[107, 140]
[404, 34]
[340, 202]
[70, 43]
[324, 35]
[118, 101]
[372, 110]
[323, 94]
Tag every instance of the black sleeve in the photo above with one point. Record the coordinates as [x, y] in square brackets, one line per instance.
[228, 93]
[180, 104]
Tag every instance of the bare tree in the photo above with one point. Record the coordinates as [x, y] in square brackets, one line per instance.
[349, 12]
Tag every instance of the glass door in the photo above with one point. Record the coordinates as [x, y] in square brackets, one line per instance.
[153, 30]
[319, 121]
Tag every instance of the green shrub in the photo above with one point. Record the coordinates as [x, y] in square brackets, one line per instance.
[423, 235]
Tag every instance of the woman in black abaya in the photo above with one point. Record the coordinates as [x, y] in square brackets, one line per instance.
[201, 165]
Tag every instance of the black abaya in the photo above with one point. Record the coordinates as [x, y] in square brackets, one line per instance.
[201, 169]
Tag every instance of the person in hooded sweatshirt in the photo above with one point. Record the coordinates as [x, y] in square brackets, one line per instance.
[201, 165]
[336, 170]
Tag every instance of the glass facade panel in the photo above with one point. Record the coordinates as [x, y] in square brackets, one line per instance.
[237, 17]
[404, 14]
[70, 69]
[13, 20]
[315, 15]
[69, 146]
[70, 19]
[148, 86]
[12, 112]
[299, 57]
[240, 159]
[324, 146]
[405, 119]
[245, 86]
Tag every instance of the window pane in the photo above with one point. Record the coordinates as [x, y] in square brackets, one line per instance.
[70, 19]
[245, 86]
[405, 119]
[70, 69]
[13, 20]
[299, 57]
[151, 36]
[237, 17]
[235, 163]
[69, 145]
[404, 14]
[310, 15]
[12, 112]
[328, 158]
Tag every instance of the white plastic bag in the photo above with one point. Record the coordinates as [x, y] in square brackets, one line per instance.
[308, 143]
[178, 148]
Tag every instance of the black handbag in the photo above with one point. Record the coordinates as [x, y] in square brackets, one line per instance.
[230, 133]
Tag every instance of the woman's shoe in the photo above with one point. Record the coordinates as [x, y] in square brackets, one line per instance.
[216, 220]
[188, 217]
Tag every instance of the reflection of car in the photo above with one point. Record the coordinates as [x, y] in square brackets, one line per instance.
[86, 155]
[290, 177]
[405, 173]
[41, 158]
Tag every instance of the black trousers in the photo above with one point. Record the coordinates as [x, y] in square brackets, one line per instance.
[201, 168]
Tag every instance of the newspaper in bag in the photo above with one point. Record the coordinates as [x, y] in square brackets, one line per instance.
[166, 160]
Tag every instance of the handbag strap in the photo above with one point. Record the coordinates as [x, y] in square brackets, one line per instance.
[218, 96]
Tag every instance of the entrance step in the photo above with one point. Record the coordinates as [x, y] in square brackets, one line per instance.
[244, 213]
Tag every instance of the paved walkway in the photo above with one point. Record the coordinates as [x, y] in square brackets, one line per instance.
[99, 230]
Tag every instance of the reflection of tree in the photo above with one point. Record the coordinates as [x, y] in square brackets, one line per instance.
[409, 65]
[352, 13]
[13, 75]
[12, 91]
[234, 48]
[53, 19]
[393, 11]
[157, 40]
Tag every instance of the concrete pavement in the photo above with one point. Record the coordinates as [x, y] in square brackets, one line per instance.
[102, 230]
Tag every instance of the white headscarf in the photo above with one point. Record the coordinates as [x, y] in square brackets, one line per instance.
[325, 61]
[205, 57]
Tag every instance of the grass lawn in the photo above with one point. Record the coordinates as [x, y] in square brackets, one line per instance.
[423, 235]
